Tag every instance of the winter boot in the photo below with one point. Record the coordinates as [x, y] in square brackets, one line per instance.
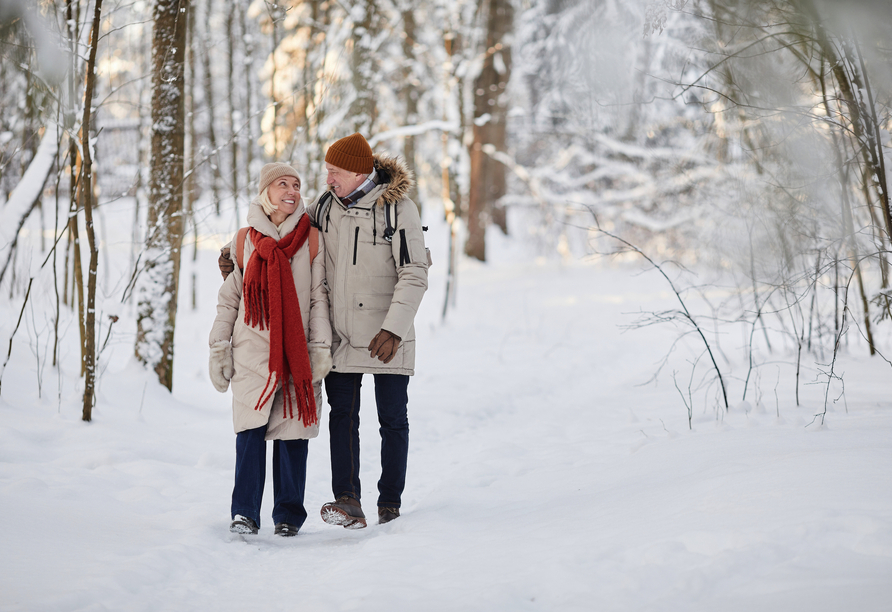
[243, 525]
[344, 511]
[285, 530]
[385, 515]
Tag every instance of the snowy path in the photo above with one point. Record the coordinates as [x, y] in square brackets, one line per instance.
[541, 478]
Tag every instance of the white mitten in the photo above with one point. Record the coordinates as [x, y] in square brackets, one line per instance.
[320, 361]
[220, 365]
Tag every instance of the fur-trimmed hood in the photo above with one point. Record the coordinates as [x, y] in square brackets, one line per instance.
[395, 174]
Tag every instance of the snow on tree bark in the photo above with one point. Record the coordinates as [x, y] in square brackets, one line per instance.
[367, 29]
[157, 285]
[89, 337]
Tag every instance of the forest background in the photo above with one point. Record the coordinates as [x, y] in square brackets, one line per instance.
[710, 176]
[748, 140]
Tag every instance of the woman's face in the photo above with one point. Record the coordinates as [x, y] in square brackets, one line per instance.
[284, 193]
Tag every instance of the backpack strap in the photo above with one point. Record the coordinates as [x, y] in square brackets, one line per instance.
[321, 210]
[240, 247]
[389, 221]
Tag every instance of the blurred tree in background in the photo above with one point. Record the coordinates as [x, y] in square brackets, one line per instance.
[747, 137]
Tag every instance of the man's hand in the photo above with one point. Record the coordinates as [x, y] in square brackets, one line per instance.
[384, 346]
[226, 265]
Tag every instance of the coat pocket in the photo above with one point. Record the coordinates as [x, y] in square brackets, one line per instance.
[369, 312]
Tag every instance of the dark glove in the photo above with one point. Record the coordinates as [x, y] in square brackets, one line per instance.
[226, 265]
[384, 345]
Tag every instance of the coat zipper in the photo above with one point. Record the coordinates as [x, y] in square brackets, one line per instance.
[355, 244]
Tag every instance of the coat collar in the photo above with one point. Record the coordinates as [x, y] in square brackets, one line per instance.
[259, 221]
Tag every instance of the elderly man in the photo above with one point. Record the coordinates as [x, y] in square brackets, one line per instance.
[376, 265]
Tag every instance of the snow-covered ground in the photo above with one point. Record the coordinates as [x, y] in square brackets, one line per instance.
[542, 474]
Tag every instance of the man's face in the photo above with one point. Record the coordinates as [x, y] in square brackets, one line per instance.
[341, 181]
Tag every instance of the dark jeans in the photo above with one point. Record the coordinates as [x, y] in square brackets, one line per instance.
[289, 477]
[392, 399]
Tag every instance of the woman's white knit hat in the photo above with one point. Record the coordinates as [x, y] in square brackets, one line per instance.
[271, 172]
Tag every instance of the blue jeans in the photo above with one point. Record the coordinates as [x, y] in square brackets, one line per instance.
[343, 424]
[289, 477]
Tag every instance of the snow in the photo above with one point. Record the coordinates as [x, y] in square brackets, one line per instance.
[542, 474]
[27, 190]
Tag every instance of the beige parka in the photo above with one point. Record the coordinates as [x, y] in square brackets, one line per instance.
[250, 346]
[374, 284]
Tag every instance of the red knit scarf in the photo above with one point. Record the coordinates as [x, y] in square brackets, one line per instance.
[271, 301]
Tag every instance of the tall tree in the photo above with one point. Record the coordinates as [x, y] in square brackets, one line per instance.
[158, 283]
[214, 154]
[364, 66]
[89, 338]
[489, 129]
[411, 90]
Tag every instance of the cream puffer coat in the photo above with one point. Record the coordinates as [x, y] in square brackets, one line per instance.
[374, 284]
[250, 346]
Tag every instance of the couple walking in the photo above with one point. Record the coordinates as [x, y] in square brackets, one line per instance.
[312, 295]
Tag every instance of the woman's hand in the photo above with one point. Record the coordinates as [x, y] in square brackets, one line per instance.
[320, 361]
[220, 365]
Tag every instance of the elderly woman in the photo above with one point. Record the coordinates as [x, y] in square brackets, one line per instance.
[271, 339]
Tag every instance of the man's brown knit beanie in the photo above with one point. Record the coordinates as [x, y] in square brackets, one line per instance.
[271, 172]
[352, 153]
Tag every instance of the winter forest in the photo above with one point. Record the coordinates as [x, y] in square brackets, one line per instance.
[655, 355]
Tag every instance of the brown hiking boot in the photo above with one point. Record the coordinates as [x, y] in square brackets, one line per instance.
[385, 515]
[345, 511]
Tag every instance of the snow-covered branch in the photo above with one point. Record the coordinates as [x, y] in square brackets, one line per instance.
[25, 196]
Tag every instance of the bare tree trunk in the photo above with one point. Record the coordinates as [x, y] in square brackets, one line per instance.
[190, 147]
[410, 94]
[320, 18]
[89, 350]
[145, 118]
[274, 32]
[158, 284]
[77, 272]
[58, 304]
[213, 155]
[29, 132]
[874, 146]
[230, 88]
[71, 22]
[488, 182]
[848, 220]
[30, 139]
[855, 88]
[364, 108]
[249, 100]
[67, 267]
[192, 139]
[450, 192]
